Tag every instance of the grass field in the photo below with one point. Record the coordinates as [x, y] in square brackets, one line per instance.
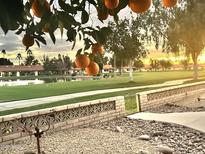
[53, 89]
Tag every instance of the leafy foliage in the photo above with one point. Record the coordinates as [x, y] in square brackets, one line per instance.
[16, 15]
[57, 65]
[138, 64]
[5, 61]
[187, 31]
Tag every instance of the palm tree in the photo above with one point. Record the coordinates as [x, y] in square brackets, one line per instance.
[19, 57]
[29, 52]
[3, 52]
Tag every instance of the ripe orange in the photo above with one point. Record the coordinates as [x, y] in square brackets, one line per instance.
[82, 61]
[102, 15]
[92, 69]
[169, 3]
[139, 6]
[28, 40]
[111, 4]
[97, 49]
[39, 8]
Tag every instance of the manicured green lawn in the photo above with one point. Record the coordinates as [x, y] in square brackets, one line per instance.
[53, 89]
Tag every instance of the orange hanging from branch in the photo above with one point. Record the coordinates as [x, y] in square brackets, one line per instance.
[111, 4]
[28, 40]
[139, 6]
[169, 3]
[102, 15]
[82, 61]
[92, 69]
[97, 49]
[38, 8]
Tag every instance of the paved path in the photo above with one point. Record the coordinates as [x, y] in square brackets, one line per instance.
[195, 120]
[37, 101]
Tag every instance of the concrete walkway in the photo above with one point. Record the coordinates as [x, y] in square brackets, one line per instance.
[37, 101]
[195, 120]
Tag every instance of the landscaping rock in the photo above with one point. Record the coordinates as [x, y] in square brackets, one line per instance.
[182, 140]
[119, 129]
[29, 152]
[142, 152]
[144, 137]
[157, 134]
[83, 141]
[165, 149]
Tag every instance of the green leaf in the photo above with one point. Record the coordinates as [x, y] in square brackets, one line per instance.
[74, 42]
[99, 37]
[67, 20]
[38, 44]
[79, 51]
[67, 7]
[61, 28]
[41, 39]
[52, 36]
[92, 2]
[122, 5]
[71, 34]
[87, 43]
[84, 17]
[19, 31]
[106, 31]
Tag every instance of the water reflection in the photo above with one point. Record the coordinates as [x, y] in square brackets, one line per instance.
[20, 82]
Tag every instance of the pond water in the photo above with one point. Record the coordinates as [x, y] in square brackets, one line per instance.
[20, 82]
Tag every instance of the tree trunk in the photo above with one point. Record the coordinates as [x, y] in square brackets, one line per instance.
[195, 69]
[195, 66]
[130, 71]
[114, 65]
[121, 67]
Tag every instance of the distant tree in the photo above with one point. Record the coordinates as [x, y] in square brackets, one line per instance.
[4, 61]
[30, 59]
[19, 57]
[154, 64]
[35, 62]
[165, 64]
[3, 53]
[185, 63]
[126, 42]
[138, 64]
[187, 31]
[118, 62]
[29, 52]
[57, 65]
[67, 62]
[106, 60]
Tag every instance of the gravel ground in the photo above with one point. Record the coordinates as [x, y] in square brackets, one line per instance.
[170, 108]
[181, 139]
[120, 136]
[83, 141]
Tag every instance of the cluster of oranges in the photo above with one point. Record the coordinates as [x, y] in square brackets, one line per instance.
[137, 6]
[84, 62]
[38, 8]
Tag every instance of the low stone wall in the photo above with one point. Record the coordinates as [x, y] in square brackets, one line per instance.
[62, 117]
[154, 98]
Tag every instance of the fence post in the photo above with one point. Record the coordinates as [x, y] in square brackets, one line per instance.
[138, 102]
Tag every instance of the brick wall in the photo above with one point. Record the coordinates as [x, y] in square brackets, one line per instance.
[62, 117]
[154, 98]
